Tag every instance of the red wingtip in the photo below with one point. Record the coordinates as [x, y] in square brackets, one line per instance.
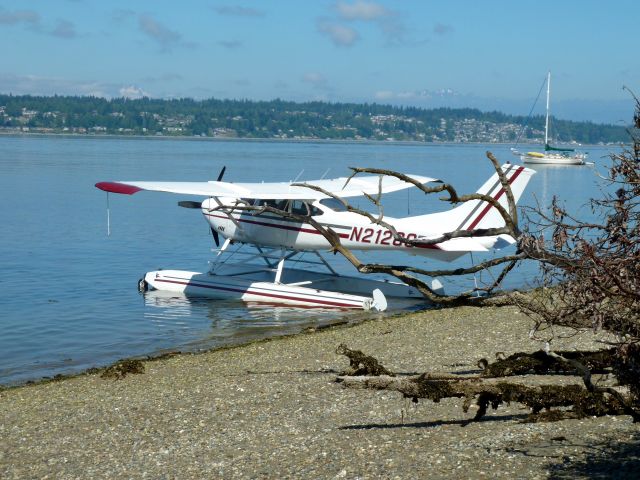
[115, 187]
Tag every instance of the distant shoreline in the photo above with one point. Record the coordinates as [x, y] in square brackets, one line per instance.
[281, 140]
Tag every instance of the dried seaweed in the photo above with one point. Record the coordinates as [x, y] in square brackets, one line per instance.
[122, 368]
[541, 363]
[361, 364]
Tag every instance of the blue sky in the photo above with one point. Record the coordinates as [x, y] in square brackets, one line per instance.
[487, 54]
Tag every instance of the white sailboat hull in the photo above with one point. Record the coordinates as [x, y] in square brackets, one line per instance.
[553, 159]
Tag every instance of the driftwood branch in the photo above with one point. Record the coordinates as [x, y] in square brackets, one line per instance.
[490, 389]
[583, 402]
[544, 363]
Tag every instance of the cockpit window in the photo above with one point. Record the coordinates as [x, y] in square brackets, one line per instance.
[279, 204]
[333, 204]
[298, 207]
[314, 211]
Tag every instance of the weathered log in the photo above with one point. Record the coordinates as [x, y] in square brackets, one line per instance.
[541, 362]
[583, 403]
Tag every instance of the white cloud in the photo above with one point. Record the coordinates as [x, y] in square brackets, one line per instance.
[31, 19]
[361, 10]
[37, 85]
[387, 21]
[165, 77]
[121, 15]
[64, 29]
[15, 17]
[314, 78]
[230, 44]
[416, 95]
[238, 11]
[132, 92]
[440, 29]
[340, 35]
[384, 95]
[164, 36]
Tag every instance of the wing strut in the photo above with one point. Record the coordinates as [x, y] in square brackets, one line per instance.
[108, 217]
[326, 264]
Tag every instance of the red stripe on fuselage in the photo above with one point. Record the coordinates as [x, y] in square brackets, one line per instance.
[306, 230]
[431, 246]
[274, 225]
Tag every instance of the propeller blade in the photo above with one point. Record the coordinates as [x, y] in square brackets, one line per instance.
[190, 204]
[221, 174]
[216, 238]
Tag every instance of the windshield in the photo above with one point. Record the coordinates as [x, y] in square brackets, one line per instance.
[333, 204]
[298, 207]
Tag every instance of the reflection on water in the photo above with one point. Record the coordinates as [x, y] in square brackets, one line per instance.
[168, 308]
[232, 321]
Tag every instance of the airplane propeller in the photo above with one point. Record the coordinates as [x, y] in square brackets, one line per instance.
[214, 233]
[216, 238]
[191, 204]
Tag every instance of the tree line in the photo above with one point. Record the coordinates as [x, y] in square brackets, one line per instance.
[284, 119]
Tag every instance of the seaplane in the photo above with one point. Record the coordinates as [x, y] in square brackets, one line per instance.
[276, 219]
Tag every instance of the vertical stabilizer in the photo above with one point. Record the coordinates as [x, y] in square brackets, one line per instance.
[477, 214]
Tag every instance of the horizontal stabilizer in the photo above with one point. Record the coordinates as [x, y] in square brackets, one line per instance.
[462, 245]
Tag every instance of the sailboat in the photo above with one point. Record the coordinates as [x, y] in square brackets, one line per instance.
[553, 155]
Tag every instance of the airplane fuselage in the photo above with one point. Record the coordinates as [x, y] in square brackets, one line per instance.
[356, 232]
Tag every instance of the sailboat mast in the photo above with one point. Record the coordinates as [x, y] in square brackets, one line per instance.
[546, 123]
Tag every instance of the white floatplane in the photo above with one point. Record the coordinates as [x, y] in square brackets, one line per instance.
[235, 211]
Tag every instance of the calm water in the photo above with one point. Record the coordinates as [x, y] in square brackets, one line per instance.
[68, 297]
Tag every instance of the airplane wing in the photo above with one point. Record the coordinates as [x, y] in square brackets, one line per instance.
[269, 191]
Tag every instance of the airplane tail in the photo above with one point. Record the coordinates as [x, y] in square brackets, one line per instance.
[477, 214]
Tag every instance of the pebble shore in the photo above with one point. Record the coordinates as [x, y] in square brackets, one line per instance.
[272, 409]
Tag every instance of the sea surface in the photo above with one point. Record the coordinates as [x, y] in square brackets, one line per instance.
[68, 296]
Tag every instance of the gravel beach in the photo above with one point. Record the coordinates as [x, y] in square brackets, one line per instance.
[272, 409]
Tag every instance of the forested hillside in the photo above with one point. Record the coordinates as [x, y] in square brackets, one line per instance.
[283, 119]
